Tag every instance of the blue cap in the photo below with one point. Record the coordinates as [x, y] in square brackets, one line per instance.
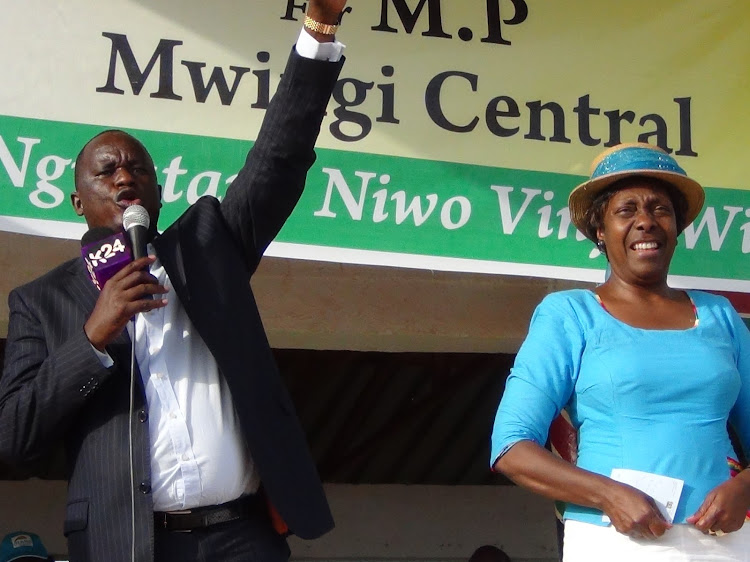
[20, 545]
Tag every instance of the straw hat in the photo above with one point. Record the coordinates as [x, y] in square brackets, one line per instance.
[632, 159]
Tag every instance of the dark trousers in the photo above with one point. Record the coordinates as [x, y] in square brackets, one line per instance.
[245, 540]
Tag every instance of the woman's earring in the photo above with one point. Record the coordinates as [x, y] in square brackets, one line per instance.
[600, 245]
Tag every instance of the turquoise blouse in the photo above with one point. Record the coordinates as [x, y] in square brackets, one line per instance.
[650, 400]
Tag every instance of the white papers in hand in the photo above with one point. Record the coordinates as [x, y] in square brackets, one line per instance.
[666, 491]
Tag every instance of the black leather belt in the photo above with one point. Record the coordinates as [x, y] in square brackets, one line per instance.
[202, 517]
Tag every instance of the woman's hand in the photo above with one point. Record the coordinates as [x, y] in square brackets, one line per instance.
[633, 513]
[725, 507]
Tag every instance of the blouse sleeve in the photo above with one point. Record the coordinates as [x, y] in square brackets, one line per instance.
[543, 376]
[740, 414]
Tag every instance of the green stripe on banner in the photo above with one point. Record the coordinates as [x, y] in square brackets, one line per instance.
[373, 202]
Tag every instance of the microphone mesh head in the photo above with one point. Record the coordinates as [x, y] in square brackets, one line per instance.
[135, 215]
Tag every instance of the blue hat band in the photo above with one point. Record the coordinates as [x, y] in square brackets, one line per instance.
[637, 159]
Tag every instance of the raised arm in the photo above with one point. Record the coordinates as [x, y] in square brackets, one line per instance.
[271, 182]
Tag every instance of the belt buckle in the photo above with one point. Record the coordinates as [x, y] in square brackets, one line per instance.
[181, 512]
[162, 522]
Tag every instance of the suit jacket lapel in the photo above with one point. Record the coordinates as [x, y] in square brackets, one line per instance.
[80, 286]
[169, 251]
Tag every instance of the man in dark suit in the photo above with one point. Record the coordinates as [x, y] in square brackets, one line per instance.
[188, 470]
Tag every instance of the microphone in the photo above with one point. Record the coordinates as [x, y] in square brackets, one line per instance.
[136, 221]
[105, 252]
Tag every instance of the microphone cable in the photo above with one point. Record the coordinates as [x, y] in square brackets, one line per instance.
[131, 408]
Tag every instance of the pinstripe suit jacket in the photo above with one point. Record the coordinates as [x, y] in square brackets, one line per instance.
[54, 389]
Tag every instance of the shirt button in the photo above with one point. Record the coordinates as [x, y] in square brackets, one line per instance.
[185, 457]
[142, 416]
[172, 415]
[144, 487]
[159, 375]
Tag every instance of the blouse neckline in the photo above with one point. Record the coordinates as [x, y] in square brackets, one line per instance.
[609, 314]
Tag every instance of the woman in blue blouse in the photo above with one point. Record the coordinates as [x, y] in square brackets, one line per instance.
[650, 376]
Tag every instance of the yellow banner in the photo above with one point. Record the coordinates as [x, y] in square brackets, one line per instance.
[528, 84]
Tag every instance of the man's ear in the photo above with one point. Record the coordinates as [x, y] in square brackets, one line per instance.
[75, 200]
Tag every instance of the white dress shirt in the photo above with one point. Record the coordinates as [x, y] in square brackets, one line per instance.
[198, 455]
